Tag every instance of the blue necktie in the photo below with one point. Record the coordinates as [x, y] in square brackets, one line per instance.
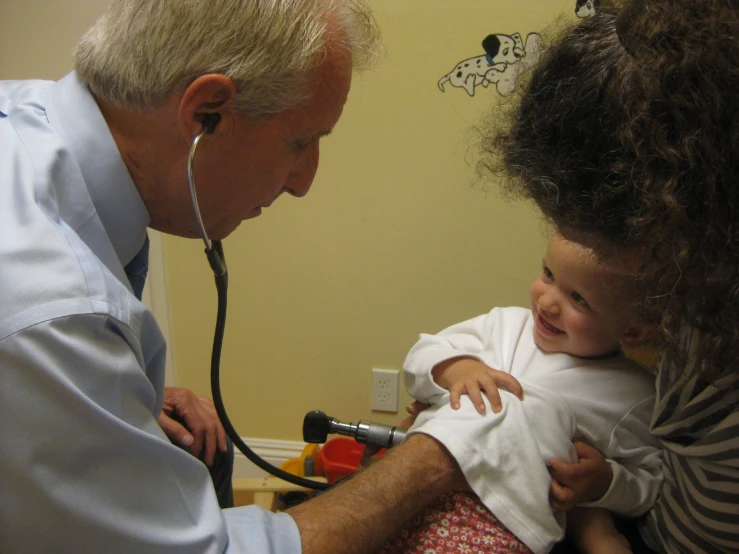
[137, 268]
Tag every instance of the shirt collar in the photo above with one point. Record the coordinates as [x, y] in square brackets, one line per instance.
[114, 194]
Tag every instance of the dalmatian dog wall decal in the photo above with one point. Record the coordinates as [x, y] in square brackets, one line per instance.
[505, 56]
[586, 8]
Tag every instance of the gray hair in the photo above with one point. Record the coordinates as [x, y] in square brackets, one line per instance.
[141, 51]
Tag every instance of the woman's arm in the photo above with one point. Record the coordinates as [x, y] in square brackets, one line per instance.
[594, 532]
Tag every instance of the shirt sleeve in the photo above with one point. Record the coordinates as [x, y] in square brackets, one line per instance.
[85, 466]
[469, 338]
[635, 458]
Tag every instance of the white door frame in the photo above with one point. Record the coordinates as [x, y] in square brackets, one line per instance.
[155, 297]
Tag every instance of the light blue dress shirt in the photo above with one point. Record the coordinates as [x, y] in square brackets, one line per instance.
[84, 467]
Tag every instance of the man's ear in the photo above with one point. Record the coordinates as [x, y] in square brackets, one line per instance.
[211, 93]
[637, 335]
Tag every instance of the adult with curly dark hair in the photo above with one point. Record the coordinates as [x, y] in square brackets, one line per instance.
[627, 138]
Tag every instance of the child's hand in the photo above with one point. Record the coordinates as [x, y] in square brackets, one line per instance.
[472, 377]
[584, 481]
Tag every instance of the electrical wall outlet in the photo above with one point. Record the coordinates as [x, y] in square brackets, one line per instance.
[385, 390]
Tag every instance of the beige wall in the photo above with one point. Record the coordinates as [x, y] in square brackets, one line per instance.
[393, 239]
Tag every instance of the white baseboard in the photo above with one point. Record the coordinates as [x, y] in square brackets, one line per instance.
[276, 452]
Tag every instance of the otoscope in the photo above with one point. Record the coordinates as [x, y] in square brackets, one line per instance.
[319, 426]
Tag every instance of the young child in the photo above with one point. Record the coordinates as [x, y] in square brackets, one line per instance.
[566, 353]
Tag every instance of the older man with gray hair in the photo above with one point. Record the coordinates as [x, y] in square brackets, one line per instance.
[86, 165]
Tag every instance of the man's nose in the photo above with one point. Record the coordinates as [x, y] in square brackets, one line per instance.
[302, 175]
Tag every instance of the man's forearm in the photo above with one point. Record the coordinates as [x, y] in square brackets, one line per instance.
[359, 515]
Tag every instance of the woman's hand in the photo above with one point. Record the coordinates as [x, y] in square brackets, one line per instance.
[584, 481]
[473, 378]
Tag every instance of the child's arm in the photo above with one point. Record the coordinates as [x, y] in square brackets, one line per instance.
[467, 344]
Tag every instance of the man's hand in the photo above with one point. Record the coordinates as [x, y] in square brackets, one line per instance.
[414, 409]
[472, 377]
[191, 421]
[370, 449]
[584, 481]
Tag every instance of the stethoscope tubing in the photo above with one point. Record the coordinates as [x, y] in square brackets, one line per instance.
[217, 261]
[193, 192]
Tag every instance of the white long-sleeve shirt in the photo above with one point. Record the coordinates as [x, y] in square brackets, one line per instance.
[606, 402]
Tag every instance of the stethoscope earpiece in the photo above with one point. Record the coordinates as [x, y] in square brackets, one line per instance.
[210, 120]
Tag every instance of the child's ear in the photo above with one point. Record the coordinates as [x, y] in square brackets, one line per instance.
[637, 335]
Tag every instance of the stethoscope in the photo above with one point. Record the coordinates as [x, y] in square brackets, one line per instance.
[316, 425]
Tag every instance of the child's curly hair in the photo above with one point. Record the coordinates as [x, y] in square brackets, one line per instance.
[639, 150]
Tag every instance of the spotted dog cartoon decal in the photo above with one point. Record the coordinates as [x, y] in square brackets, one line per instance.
[585, 8]
[505, 56]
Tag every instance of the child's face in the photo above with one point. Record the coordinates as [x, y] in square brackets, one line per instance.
[573, 308]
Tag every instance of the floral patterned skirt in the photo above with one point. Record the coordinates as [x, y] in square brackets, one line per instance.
[455, 522]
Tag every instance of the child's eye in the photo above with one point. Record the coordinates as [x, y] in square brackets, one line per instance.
[577, 299]
[548, 275]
